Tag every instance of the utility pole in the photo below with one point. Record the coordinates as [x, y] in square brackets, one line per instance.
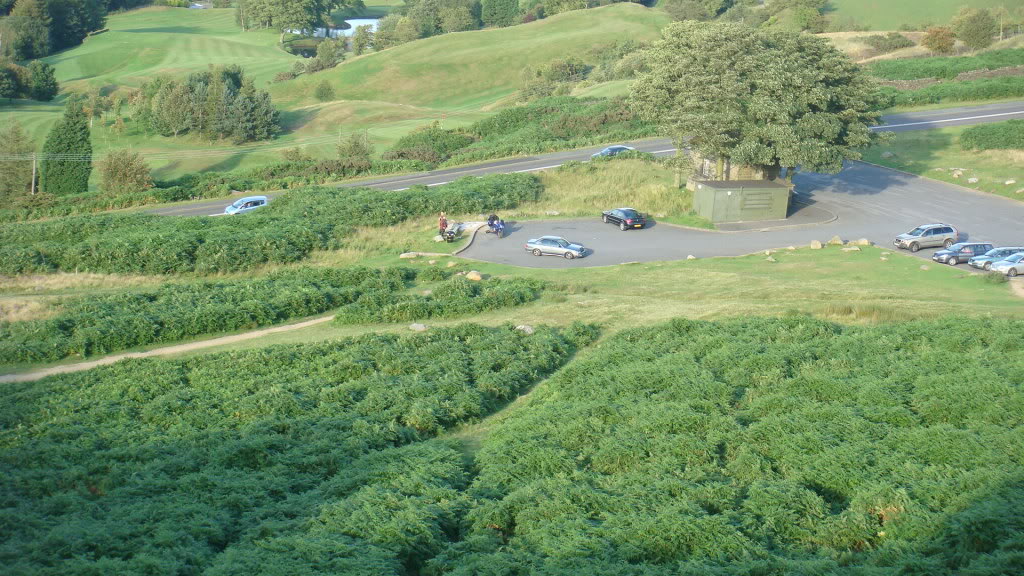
[33, 174]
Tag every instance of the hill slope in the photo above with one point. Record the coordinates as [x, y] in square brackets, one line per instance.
[472, 69]
[888, 15]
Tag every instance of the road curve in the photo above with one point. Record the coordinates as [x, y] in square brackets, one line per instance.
[906, 121]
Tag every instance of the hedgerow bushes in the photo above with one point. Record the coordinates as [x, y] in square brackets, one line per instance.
[286, 231]
[1007, 135]
[552, 124]
[944, 67]
[784, 446]
[980, 89]
[175, 311]
[297, 459]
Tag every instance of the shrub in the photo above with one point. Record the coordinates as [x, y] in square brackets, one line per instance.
[885, 43]
[124, 171]
[981, 89]
[324, 91]
[284, 76]
[430, 144]
[939, 39]
[1007, 135]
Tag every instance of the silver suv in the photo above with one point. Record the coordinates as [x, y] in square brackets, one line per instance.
[927, 236]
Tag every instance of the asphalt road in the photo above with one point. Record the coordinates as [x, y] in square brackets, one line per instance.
[897, 123]
[868, 202]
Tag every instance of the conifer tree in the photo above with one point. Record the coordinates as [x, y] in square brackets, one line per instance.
[42, 82]
[67, 153]
[15, 175]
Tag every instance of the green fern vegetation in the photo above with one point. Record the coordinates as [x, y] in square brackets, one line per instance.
[788, 446]
[94, 325]
[308, 459]
[1007, 135]
[288, 230]
[944, 67]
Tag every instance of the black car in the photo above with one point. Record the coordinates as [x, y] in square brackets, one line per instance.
[626, 218]
[961, 252]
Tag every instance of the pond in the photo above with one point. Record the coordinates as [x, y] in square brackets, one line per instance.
[338, 32]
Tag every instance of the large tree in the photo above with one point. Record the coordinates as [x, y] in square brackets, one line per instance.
[67, 153]
[756, 97]
[28, 30]
[42, 81]
[976, 28]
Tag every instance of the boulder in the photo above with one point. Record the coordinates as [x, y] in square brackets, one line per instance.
[691, 257]
[815, 245]
[451, 264]
[851, 249]
[957, 173]
[408, 255]
[474, 276]
[438, 238]
[431, 262]
[769, 259]
[1010, 182]
[428, 292]
[551, 212]
[972, 180]
[835, 241]
[791, 248]
[1021, 191]
[887, 154]
[924, 267]
[525, 328]
[418, 327]
[884, 259]
[767, 252]
[886, 253]
[862, 242]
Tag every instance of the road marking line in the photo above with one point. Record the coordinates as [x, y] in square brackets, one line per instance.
[663, 151]
[536, 169]
[884, 126]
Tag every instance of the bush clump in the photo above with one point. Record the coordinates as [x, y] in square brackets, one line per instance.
[885, 43]
[966, 91]
[945, 67]
[1007, 135]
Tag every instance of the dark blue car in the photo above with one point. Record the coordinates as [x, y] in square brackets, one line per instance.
[611, 151]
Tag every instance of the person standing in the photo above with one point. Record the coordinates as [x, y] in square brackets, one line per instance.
[442, 224]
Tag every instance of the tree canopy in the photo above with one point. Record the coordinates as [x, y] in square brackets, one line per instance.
[756, 97]
[67, 153]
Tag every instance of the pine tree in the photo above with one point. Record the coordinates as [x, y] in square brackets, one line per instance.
[42, 81]
[265, 124]
[67, 153]
[243, 114]
[500, 12]
[15, 175]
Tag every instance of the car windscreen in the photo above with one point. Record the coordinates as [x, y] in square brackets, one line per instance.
[916, 232]
[562, 242]
[238, 203]
[1016, 257]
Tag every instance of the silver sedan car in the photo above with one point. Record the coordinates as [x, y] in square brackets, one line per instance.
[555, 246]
[1012, 266]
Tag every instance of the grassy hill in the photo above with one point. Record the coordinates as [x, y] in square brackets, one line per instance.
[472, 69]
[888, 15]
[455, 78]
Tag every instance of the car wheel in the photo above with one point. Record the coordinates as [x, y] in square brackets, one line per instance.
[947, 243]
[604, 218]
[622, 226]
[988, 266]
[1012, 272]
[569, 255]
[536, 252]
[914, 246]
[952, 261]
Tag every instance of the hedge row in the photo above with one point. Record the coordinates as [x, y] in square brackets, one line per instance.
[944, 67]
[299, 459]
[1007, 135]
[981, 89]
[279, 176]
[175, 311]
[286, 231]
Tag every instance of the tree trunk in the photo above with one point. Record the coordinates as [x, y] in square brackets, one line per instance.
[719, 168]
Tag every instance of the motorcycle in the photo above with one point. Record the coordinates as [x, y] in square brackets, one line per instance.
[497, 228]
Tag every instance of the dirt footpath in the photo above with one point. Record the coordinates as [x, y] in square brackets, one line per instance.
[166, 351]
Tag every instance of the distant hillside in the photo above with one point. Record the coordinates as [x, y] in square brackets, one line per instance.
[891, 14]
[472, 69]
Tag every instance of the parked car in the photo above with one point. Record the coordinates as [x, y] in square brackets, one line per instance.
[927, 236]
[247, 204]
[626, 218]
[994, 255]
[961, 252]
[555, 246]
[1011, 266]
[612, 151]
